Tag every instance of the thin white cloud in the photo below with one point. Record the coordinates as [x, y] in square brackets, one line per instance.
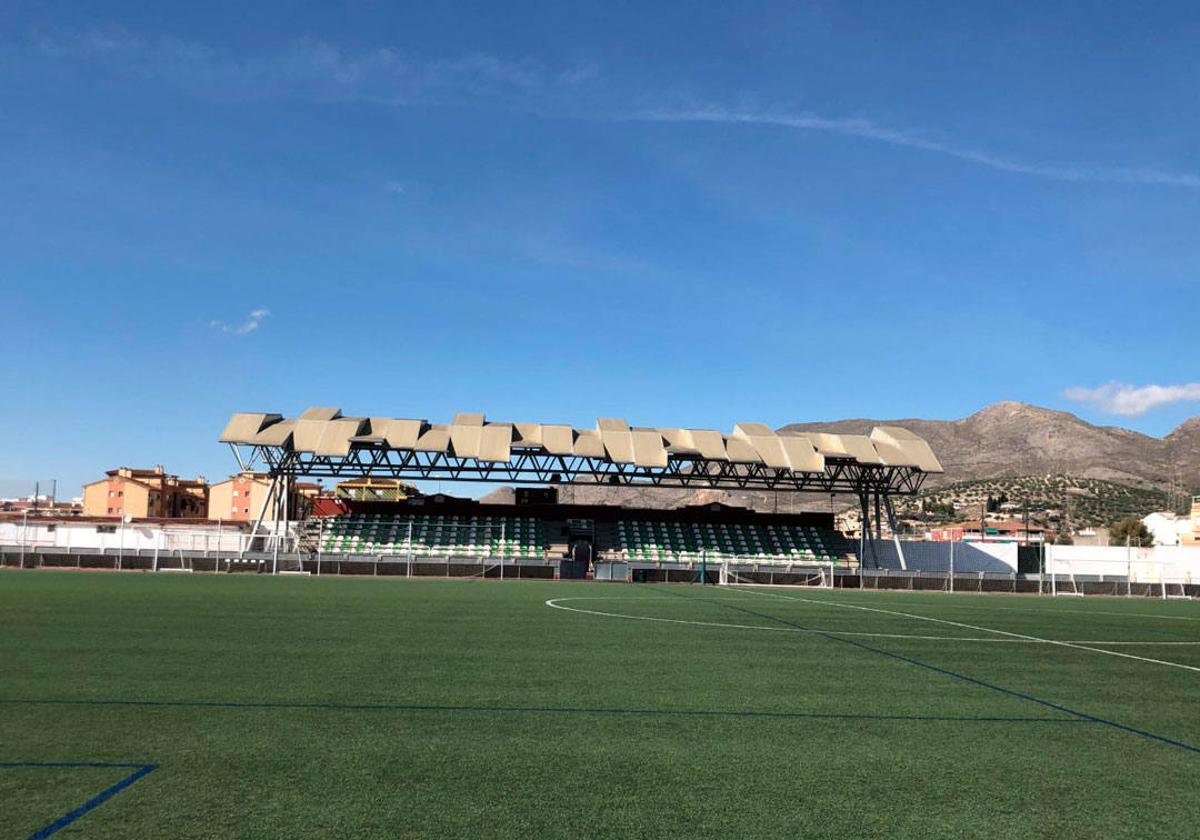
[396, 187]
[314, 70]
[252, 322]
[867, 130]
[1133, 400]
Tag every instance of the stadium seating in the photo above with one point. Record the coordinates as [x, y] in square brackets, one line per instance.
[684, 542]
[508, 537]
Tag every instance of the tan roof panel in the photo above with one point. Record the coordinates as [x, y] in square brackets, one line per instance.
[326, 432]
[915, 450]
[529, 434]
[747, 430]
[307, 434]
[244, 426]
[495, 442]
[335, 437]
[679, 441]
[711, 444]
[765, 442]
[741, 451]
[436, 438]
[859, 448]
[892, 454]
[825, 443]
[617, 443]
[277, 434]
[558, 439]
[465, 440]
[399, 433]
[321, 414]
[770, 449]
[588, 444]
[648, 448]
[801, 454]
[370, 438]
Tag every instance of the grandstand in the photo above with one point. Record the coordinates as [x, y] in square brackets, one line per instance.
[464, 529]
[692, 542]
[468, 536]
[642, 544]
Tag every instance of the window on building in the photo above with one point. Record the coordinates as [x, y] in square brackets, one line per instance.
[106, 529]
[111, 494]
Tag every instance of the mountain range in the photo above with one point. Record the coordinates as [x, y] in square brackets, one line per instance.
[1013, 438]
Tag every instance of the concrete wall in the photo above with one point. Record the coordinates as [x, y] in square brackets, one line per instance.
[1145, 565]
[134, 536]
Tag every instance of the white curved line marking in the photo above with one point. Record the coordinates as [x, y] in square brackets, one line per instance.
[1073, 645]
[1043, 610]
[556, 603]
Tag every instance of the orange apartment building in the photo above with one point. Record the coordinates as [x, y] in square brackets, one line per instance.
[142, 494]
[240, 498]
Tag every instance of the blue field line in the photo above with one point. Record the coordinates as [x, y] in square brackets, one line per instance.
[139, 771]
[1083, 716]
[564, 710]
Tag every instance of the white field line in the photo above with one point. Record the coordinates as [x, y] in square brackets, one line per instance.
[1073, 645]
[556, 603]
[989, 607]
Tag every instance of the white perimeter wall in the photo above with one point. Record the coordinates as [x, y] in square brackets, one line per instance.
[132, 537]
[1147, 565]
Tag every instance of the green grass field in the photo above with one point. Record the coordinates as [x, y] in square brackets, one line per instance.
[306, 707]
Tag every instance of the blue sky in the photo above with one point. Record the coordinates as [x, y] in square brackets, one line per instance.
[683, 216]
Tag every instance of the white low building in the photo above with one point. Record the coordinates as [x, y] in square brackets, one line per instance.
[1168, 528]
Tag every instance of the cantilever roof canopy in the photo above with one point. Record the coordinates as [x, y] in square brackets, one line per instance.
[471, 448]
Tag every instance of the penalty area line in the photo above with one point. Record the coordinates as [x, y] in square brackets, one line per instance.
[556, 603]
[980, 628]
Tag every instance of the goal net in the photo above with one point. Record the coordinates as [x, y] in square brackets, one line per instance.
[811, 577]
[1139, 573]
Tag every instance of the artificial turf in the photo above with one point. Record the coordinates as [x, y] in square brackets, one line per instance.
[324, 707]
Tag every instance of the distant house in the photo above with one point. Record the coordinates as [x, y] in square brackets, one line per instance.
[1192, 537]
[1168, 528]
[146, 493]
[1009, 530]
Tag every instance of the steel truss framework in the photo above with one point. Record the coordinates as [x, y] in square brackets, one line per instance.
[535, 466]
